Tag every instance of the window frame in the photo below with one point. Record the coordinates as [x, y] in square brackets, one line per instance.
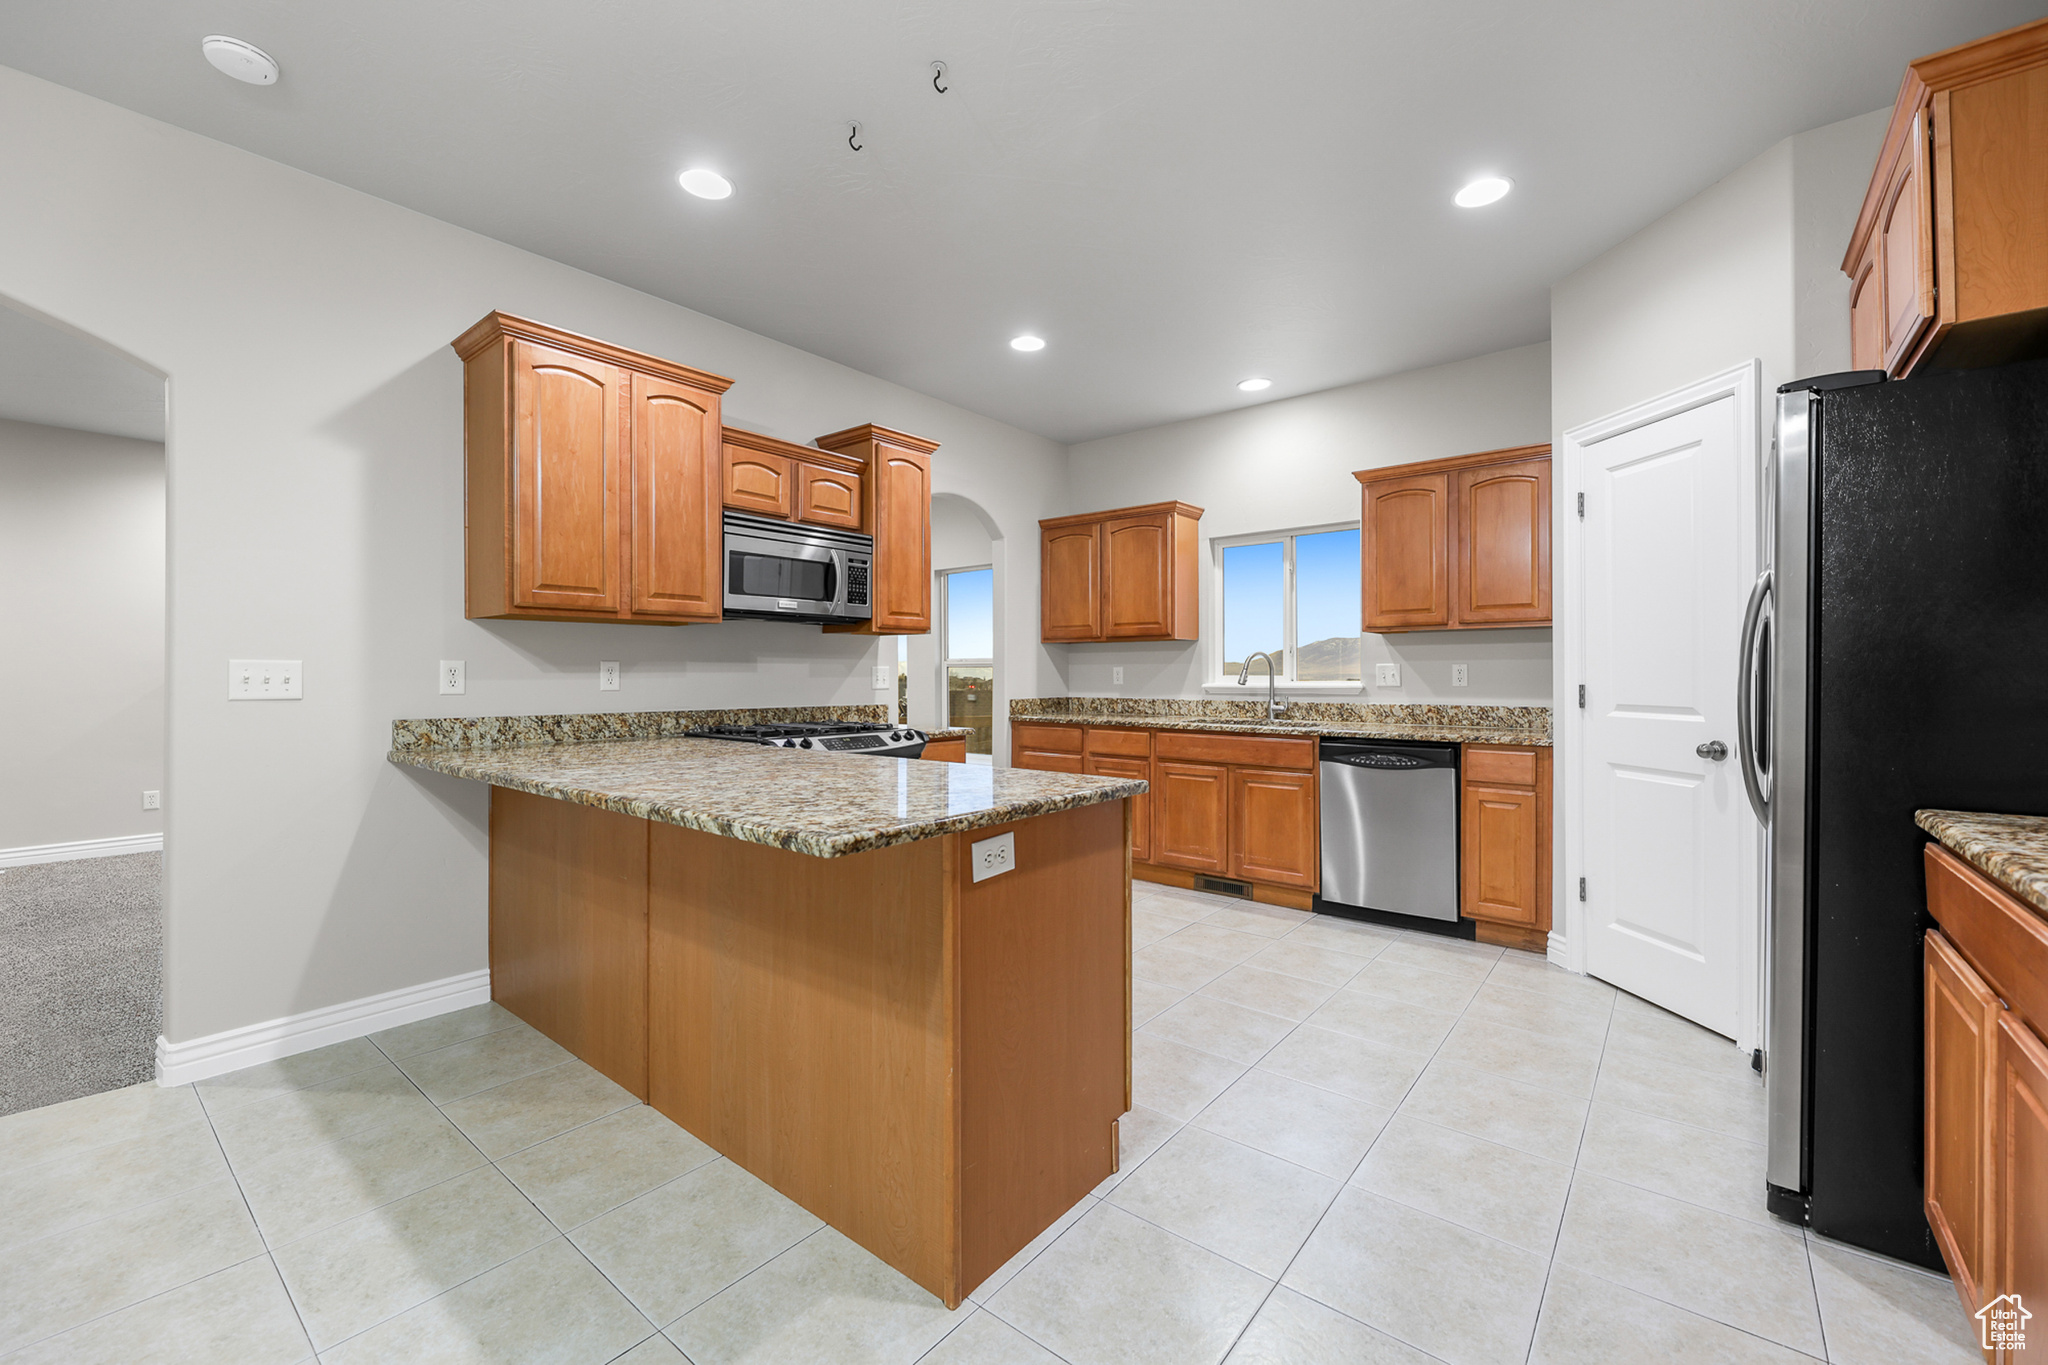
[945, 641]
[1226, 682]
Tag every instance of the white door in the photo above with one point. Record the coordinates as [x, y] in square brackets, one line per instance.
[1667, 551]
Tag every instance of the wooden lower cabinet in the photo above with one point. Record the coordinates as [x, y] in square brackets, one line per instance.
[1049, 748]
[1986, 1087]
[1273, 826]
[1191, 816]
[953, 750]
[1504, 843]
[1139, 769]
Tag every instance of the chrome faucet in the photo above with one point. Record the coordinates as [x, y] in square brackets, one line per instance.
[1276, 705]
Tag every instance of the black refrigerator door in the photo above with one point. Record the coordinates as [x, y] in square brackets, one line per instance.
[1930, 653]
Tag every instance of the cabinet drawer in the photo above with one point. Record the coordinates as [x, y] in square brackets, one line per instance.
[1509, 767]
[1128, 743]
[2001, 938]
[1064, 739]
[1254, 751]
[1047, 761]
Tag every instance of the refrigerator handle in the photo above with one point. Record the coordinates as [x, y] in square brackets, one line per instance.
[1749, 708]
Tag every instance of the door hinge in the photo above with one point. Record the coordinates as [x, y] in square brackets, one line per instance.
[1582, 888]
[1582, 507]
[1582, 696]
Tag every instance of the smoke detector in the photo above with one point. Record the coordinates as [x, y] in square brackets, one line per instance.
[243, 61]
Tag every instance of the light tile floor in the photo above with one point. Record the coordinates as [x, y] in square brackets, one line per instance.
[1350, 1145]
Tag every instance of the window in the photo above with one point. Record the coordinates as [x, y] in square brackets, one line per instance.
[967, 648]
[1292, 595]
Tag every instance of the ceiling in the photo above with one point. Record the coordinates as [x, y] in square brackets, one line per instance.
[61, 380]
[1176, 194]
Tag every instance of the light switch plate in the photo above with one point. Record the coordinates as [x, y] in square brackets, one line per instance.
[608, 676]
[265, 680]
[992, 857]
[1386, 675]
[454, 677]
[1461, 675]
[881, 677]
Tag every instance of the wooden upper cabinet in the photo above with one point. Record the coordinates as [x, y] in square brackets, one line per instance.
[1455, 544]
[828, 495]
[1961, 1046]
[1273, 833]
[676, 534]
[590, 481]
[1951, 221]
[1128, 574]
[760, 476]
[1503, 539]
[896, 509]
[1070, 584]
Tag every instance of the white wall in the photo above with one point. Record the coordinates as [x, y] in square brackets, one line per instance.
[1276, 466]
[315, 506]
[1831, 167]
[82, 621]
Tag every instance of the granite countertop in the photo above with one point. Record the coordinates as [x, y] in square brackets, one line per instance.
[2011, 850]
[1420, 722]
[822, 804]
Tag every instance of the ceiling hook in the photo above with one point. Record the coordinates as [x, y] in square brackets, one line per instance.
[853, 131]
[939, 74]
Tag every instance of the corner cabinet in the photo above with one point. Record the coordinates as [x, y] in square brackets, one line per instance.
[1456, 544]
[1504, 838]
[895, 494]
[1947, 264]
[1128, 574]
[591, 479]
[1986, 1085]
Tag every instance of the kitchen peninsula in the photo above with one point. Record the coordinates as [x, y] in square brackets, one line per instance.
[789, 954]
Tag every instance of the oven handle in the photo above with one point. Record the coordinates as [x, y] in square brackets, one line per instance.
[1749, 697]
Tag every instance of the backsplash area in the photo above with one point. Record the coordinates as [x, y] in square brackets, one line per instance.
[1532, 719]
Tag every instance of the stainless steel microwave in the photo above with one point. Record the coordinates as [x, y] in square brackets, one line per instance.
[787, 571]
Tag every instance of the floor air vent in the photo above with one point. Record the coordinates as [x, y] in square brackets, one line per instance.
[1223, 886]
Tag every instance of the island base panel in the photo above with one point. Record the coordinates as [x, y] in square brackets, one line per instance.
[568, 927]
[930, 1064]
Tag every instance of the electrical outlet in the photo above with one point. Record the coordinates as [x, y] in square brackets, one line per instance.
[608, 676]
[880, 679]
[992, 857]
[454, 677]
[1116, 677]
[152, 800]
[1386, 675]
[1461, 675]
[265, 680]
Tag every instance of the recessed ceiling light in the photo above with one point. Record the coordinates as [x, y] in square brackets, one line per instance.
[1254, 385]
[1485, 190]
[1027, 342]
[705, 184]
[243, 61]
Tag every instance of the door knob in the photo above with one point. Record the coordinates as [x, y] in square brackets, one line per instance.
[1713, 749]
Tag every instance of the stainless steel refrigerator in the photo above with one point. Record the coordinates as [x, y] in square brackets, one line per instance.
[1895, 657]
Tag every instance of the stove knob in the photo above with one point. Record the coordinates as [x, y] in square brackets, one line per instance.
[804, 743]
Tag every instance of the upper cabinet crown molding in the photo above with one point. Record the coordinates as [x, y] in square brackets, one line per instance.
[1456, 544]
[1947, 262]
[1131, 573]
[591, 478]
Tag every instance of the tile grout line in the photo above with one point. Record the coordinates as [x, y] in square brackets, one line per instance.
[1570, 1184]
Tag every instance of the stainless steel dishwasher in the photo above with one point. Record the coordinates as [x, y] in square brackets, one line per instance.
[1390, 829]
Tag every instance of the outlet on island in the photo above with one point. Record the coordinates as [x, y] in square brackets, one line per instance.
[992, 857]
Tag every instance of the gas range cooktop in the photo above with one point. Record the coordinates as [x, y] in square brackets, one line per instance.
[828, 736]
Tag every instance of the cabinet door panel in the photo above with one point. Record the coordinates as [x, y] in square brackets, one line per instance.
[1866, 311]
[566, 479]
[903, 548]
[1404, 534]
[1905, 226]
[2019, 1176]
[760, 483]
[1502, 515]
[1499, 838]
[1961, 1027]
[1137, 582]
[827, 497]
[1069, 583]
[1191, 816]
[676, 530]
[1273, 826]
[1139, 769]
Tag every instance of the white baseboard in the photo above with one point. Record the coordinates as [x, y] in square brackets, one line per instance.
[81, 848]
[180, 1063]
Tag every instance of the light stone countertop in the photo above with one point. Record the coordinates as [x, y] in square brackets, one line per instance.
[2011, 850]
[825, 805]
